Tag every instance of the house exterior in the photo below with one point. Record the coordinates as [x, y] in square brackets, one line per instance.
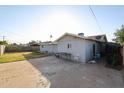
[78, 47]
[81, 48]
[48, 47]
[35, 47]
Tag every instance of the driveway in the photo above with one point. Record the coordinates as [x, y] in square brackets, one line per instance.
[21, 74]
[62, 74]
[66, 74]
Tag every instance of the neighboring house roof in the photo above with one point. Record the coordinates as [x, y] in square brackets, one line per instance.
[97, 38]
[101, 38]
[35, 45]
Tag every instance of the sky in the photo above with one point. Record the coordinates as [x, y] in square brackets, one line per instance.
[22, 24]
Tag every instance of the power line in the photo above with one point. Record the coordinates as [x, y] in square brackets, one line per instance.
[95, 18]
[14, 40]
[13, 33]
[16, 35]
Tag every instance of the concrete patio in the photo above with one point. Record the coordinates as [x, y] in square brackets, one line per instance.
[66, 74]
[61, 74]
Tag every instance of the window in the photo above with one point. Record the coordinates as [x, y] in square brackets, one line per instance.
[98, 37]
[94, 50]
[69, 46]
[42, 46]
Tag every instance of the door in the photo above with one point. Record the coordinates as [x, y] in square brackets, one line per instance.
[94, 50]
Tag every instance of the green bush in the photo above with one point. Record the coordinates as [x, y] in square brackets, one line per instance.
[3, 43]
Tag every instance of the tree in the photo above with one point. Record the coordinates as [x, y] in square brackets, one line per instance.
[119, 34]
[3, 43]
[34, 42]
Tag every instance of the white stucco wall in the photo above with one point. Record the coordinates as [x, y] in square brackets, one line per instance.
[50, 48]
[89, 49]
[77, 47]
[81, 49]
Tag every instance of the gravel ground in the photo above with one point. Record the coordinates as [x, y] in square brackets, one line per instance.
[66, 74]
[21, 75]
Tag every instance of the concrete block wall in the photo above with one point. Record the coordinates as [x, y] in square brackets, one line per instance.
[2, 49]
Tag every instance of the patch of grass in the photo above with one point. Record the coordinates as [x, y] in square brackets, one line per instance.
[18, 56]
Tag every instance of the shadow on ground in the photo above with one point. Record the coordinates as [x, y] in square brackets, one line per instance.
[66, 74]
[34, 55]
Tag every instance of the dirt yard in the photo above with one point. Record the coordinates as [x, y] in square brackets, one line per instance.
[66, 74]
[21, 75]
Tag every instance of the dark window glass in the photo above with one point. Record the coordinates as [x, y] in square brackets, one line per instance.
[68, 45]
[42, 46]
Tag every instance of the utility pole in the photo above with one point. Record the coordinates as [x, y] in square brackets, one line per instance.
[3, 38]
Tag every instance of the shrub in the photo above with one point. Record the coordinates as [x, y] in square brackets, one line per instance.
[3, 43]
